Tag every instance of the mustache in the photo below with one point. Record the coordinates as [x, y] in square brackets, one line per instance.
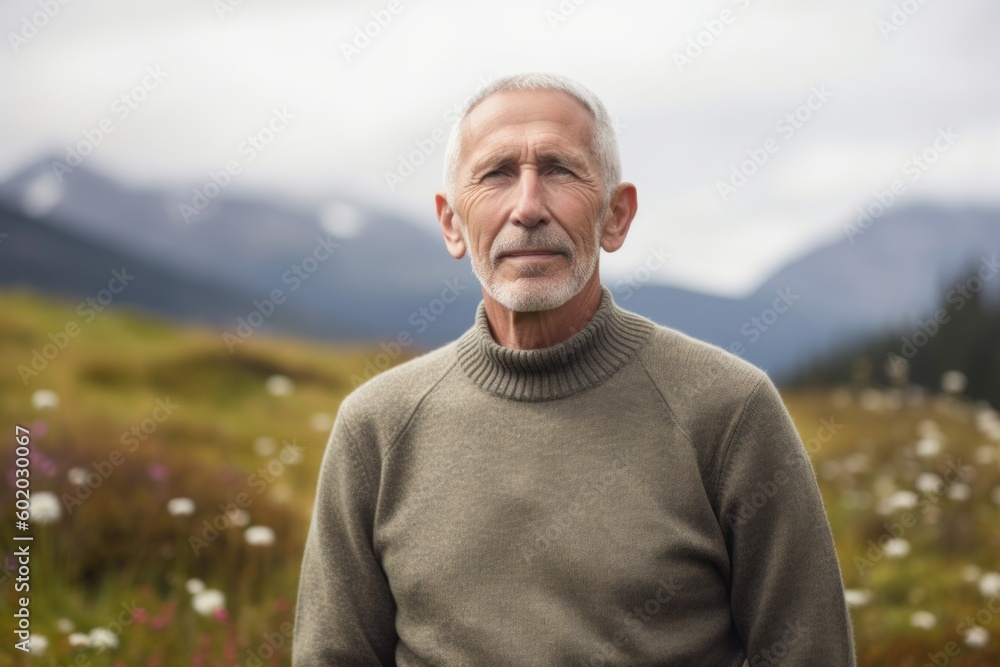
[535, 238]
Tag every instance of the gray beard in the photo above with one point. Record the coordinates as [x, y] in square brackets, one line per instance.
[529, 293]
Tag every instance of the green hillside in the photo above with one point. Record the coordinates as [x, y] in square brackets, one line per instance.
[148, 412]
[126, 414]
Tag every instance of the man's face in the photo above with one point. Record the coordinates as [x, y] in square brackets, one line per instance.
[529, 199]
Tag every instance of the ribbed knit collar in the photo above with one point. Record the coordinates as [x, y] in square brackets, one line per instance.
[587, 359]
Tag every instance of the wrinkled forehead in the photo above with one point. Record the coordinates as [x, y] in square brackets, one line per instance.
[516, 118]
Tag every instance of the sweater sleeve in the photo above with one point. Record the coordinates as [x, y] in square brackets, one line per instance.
[345, 613]
[786, 594]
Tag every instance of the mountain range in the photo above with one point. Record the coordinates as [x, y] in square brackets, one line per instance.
[346, 270]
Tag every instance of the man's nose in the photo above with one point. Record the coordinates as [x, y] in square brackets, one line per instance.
[529, 209]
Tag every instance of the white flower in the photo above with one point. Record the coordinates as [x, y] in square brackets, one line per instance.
[37, 644]
[44, 398]
[103, 638]
[857, 597]
[986, 454]
[77, 476]
[984, 414]
[959, 491]
[79, 640]
[871, 400]
[64, 625]
[321, 421]
[928, 428]
[194, 586]
[264, 445]
[923, 619]
[953, 382]
[893, 399]
[830, 469]
[259, 536]
[898, 500]
[208, 601]
[44, 507]
[995, 495]
[988, 422]
[856, 463]
[897, 547]
[976, 636]
[180, 506]
[928, 447]
[928, 482]
[239, 517]
[989, 584]
[279, 385]
[970, 573]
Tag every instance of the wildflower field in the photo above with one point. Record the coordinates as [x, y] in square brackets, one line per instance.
[171, 483]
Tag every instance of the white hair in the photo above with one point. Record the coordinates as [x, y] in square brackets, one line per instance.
[604, 141]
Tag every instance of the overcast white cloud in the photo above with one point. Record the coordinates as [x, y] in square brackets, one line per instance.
[883, 98]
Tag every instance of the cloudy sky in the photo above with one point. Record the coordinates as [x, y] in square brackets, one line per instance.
[833, 99]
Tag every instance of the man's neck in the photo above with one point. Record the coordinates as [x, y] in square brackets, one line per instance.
[544, 328]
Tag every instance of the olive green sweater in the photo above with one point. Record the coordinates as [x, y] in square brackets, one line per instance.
[630, 496]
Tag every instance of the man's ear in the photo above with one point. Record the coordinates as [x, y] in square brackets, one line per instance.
[618, 219]
[449, 227]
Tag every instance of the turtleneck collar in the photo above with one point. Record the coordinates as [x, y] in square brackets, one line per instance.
[586, 359]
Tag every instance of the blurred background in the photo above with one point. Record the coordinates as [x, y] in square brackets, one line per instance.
[216, 220]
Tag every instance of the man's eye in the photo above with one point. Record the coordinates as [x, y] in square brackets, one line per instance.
[561, 170]
[493, 174]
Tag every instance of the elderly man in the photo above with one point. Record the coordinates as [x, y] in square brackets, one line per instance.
[568, 483]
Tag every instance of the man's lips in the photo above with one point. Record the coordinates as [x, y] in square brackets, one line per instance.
[540, 254]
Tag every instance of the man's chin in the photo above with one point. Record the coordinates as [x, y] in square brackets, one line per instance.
[534, 294]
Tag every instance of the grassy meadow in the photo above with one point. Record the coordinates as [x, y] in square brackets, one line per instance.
[173, 482]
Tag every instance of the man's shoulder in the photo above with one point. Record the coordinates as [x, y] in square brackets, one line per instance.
[381, 406]
[704, 388]
[693, 373]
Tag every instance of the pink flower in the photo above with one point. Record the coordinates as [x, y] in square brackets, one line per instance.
[158, 472]
[163, 619]
[43, 464]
